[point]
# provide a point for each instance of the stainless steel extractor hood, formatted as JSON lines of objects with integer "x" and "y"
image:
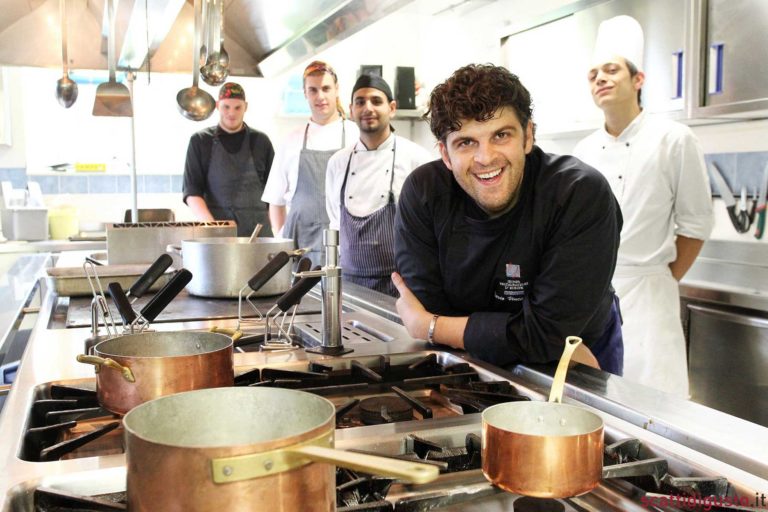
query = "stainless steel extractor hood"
{"x": 260, "y": 35}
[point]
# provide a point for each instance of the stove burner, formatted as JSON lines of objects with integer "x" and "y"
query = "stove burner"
{"x": 528, "y": 504}
{"x": 384, "y": 409}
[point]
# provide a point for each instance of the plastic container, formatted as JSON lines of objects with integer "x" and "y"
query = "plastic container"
{"x": 25, "y": 223}
{"x": 63, "y": 222}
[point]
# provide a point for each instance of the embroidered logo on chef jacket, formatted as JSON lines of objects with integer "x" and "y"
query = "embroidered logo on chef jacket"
{"x": 510, "y": 288}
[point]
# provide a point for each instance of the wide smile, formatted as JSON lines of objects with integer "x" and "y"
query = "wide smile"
{"x": 489, "y": 177}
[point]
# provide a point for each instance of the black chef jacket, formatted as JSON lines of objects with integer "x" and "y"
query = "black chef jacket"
{"x": 527, "y": 279}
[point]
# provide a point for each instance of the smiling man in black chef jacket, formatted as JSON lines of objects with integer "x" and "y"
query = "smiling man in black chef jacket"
{"x": 504, "y": 250}
{"x": 363, "y": 184}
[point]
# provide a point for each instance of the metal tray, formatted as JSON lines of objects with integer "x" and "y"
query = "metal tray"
{"x": 72, "y": 282}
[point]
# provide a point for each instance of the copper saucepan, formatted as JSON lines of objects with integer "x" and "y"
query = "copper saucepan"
{"x": 242, "y": 449}
{"x": 544, "y": 449}
{"x": 136, "y": 368}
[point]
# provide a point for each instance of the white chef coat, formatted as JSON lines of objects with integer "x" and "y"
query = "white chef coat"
{"x": 368, "y": 182}
{"x": 657, "y": 172}
{"x": 281, "y": 184}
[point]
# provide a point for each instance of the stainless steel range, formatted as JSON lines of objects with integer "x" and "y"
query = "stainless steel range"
{"x": 395, "y": 398}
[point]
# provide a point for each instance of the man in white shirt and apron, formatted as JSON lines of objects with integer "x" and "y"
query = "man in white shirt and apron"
{"x": 363, "y": 185}
{"x": 297, "y": 178}
{"x": 657, "y": 173}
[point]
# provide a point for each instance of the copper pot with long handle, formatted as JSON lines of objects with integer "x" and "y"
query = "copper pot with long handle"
{"x": 242, "y": 449}
{"x": 544, "y": 449}
{"x": 136, "y": 368}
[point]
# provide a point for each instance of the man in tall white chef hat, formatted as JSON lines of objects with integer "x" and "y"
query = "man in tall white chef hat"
{"x": 657, "y": 172}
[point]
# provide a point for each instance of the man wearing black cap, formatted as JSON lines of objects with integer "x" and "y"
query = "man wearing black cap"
{"x": 363, "y": 184}
{"x": 227, "y": 166}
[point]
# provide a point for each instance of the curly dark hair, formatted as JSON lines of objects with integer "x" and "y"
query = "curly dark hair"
{"x": 476, "y": 92}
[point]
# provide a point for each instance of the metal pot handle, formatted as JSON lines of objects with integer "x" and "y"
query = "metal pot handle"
{"x": 110, "y": 363}
{"x": 173, "y": 249}
{"x": 235, "y": 334}
{"x": 556, "y": 393}
{"x": 256, "y": 465}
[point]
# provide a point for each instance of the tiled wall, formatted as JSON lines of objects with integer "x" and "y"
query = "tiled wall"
{"x": 94, "y": 183}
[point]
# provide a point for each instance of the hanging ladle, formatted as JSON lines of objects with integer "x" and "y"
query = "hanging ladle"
{"x": 66, "y": 89}
{"x": 214, "y": 72}
{"x": 194, "y": 103}
{"x": 223, "y": 55}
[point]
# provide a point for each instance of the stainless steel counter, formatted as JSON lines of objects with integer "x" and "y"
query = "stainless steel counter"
{"x": 731, "y": 274}
{"x": 43, "y": 246}
{"x": 19, "y": 275}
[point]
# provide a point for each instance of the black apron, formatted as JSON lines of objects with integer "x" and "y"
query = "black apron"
{"x": 234, "y": 188}
{"x": 368, "y": 243}
{"x": 307, "y": 217}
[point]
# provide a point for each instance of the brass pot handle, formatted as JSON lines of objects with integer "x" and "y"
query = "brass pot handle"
{"x": 235, "y": 334}
{"x": 556, "y": 393}
{"x": 111, "y": 363}
{"x": 257, "y": 465}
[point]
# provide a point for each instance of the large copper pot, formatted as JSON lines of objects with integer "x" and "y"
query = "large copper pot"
{"x": 544, "y": 449}
{"x": 242, "y": 449}
{"x": 136, "y": 368}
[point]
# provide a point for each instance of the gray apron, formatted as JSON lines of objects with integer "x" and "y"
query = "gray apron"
{"x": 307, "y": 217}
{"x": 368, "y": 243}
{"x": 234, "y": 188}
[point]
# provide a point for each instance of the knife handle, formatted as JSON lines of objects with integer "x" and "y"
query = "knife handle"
{"x": 149, "y": 277}
{"x": 297, "y": 291}
{"x": 166, "y": 294}
{"x": 760, "y": 223}
{"x": 266, "y": 273}
{"x": 121, "y": 301}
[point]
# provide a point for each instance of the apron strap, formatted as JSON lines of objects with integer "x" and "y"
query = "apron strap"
{"x": 306, "y": 132}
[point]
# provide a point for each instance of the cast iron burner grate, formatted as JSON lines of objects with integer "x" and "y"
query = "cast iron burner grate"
{"x": 56, "y": 418}
{"x": 55, "y": 500}
{"x": 388, "y": 392}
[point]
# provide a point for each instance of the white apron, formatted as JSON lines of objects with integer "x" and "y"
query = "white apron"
{"x": 654, "y": 344}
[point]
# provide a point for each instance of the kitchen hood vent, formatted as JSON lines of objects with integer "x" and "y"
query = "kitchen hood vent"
{"x": 258, "y": 35}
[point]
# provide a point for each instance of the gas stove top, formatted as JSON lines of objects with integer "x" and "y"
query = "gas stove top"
{"x": 422, "y": 405}
{"x": 453, "y": 444}
{"x": 66, "y": 421}
{"x": 701, "y": 451}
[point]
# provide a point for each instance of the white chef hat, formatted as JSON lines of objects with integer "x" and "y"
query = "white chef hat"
{"x": 619, "y": 36}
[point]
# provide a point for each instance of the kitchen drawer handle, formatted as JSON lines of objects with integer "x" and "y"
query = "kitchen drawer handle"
{"x": 715, "y": 69}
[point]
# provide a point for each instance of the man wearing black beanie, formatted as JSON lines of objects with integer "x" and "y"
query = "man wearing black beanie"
{"x": 363, "y": 183}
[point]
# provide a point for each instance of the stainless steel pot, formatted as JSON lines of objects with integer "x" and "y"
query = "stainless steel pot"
{"x": 135, "y": 368}
{"x": 242, "y": 449}
{"x": 222, "y": 266}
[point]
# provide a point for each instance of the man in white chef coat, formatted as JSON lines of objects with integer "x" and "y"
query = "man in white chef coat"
{"x": 657, "y": 173}
{"x": 363, "y": 185}
{"x": 295, "y": 189}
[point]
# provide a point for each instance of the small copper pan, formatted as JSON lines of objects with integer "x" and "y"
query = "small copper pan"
{"x": 544, "y": 449}
{"x": 135, "y": 368}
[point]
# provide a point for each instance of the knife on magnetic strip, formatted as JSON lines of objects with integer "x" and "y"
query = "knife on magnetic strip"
{"x": 761, "y": 199}
{"x": 739, "y": 220}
